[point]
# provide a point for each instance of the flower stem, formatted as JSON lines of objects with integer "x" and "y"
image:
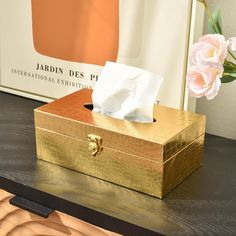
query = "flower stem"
{"x": 213, "y": 22}
{"x": 210, "y": 16}
{"x": 231, "y": 54}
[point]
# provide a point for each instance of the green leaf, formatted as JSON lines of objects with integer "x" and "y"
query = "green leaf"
{"x": 214, "y": 23}
{"x": 231, "y": 74}
{"x": 229, "y": 67}
{"x": 227, "y": 79}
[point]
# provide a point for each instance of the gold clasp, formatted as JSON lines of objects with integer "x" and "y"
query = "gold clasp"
{"x": 95, "y": 144}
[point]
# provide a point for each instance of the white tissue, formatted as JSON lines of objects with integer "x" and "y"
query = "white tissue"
{"x": 126, "y": 92}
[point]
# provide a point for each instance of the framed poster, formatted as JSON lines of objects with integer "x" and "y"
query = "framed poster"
{"x": 50, "y": 48}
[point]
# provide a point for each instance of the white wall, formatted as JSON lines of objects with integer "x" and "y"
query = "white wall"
{"x": 221, "y": 111}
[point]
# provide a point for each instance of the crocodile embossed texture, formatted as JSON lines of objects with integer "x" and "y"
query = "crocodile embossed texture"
{"x": 173, "y": 130}
{"x": 148, "y": 176}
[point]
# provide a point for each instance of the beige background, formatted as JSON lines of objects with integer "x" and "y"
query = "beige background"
{"x": 221, "y": 111}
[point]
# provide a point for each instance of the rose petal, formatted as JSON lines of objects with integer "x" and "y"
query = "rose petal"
{"x": 202, "y": 81}
{"x": 213, "y": 91}
{"x": 197, "y": 81}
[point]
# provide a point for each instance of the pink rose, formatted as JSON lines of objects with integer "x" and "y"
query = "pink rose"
{"x": 204, "y": 81}
{"x": 210, "y": 50}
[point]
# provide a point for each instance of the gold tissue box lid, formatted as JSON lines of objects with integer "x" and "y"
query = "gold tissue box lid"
{"x": 173, "y": 130}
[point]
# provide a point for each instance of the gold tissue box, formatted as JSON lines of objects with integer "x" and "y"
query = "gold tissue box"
{"x": 150, "y": 158}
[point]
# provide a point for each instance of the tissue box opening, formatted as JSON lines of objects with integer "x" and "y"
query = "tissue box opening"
{"x": 89, "y": 106}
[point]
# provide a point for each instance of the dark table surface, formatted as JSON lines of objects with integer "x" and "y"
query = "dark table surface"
{"x": 203, "y": 204}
